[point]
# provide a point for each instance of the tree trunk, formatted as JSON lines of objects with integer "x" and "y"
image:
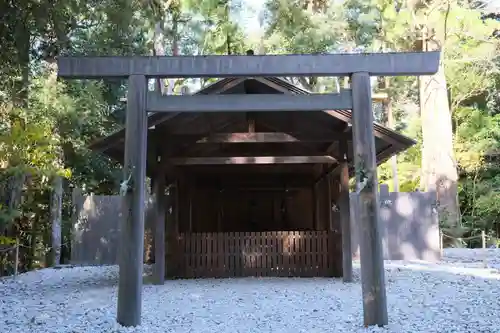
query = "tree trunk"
{"x": 23, "y": 47}
{"x": 175, "y": 47}
{"x": 390, "y": 124}
{"x": 159, "y": 50}
{"x": 439, "y": 171}
{"x": 33, "y": 242}
{"x": 57, "y": 183}
{"x": 159, "y": 45}
{"x": 394, "y": 159}
{"x": 55, "y": 219}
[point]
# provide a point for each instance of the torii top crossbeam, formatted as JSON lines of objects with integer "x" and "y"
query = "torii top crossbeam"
{"x": 376, "y": 64}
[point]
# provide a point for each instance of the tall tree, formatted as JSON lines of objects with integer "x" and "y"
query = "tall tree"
{"x": 459, "y": 32}
{"x": 303, "y": 26}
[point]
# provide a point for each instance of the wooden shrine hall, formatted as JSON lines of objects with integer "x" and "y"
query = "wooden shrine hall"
{"x": 255, "y": 193}
{"x": 256, "y": 170}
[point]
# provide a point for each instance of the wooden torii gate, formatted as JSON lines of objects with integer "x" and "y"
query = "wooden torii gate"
{"x": 358, "y": 66}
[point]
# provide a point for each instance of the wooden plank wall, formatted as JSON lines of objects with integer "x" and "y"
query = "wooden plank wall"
{"x": 235, "y": 254}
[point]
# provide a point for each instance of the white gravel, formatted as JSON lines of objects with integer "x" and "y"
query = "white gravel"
{"x": 459, "y": 294}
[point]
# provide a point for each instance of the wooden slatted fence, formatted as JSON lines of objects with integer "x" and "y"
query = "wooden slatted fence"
{"x": 234, "y": 254}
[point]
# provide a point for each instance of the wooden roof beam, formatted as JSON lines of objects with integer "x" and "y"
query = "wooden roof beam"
{"x": 261, "y": 150}
{"x": 345, "y": 135}
{"x": 245, "y": 160}
{"x": 264, "y": 137}
{"x": 249, "y": 103}
{"x": 375, "y": 64}
{"x": 252, "y": 180}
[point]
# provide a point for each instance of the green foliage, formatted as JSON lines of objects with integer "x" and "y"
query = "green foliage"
{"x": 293, "y": 27}
{"x": 218, "y": 32}
{"x": 476, "y": 144}
{"x": 7, "y": 240}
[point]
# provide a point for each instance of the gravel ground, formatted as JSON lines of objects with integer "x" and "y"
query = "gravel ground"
{"x": 459, "y": 294}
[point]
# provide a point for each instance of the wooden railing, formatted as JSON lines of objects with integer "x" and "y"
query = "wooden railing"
{"x": 278, "y": 253}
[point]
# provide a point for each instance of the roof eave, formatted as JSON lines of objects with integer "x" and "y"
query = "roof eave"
{"x": 221, "y": 85}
